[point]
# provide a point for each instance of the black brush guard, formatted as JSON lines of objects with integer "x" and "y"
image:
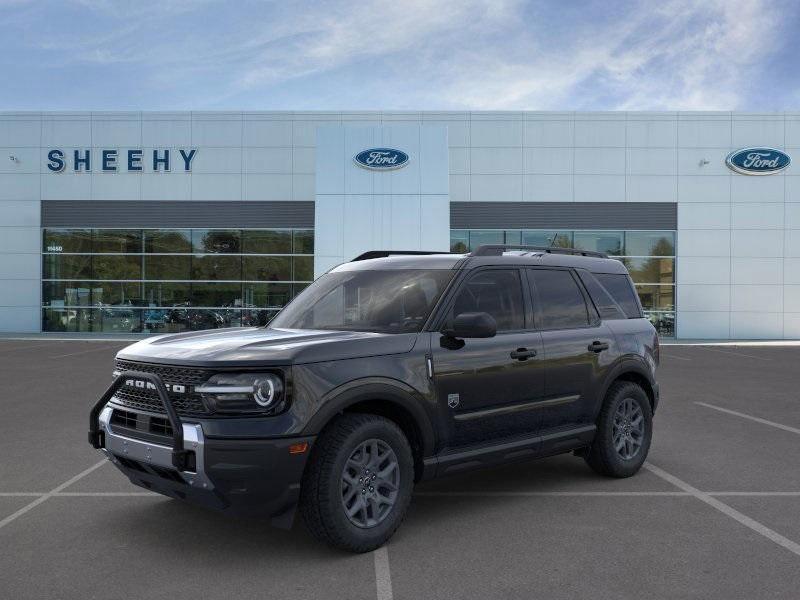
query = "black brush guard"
{"x": 179, "y": 455}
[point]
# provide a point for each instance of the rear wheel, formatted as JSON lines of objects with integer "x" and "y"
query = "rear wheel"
{"x": 624, "y": 431}
{"x": 357, "y": 486}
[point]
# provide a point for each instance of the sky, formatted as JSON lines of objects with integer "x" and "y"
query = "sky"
{"x": 400, "y": 55}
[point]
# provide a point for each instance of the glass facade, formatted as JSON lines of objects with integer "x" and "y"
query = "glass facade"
{"x": 648, "y": 255}
{"x": 170, "y": 280}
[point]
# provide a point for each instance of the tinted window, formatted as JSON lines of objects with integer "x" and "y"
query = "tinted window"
{"x": 498, "y": 293}
{"x": 561, "y": 303}
{"x": 391, "y": 301}
{"x": 620, "y": 288}
{"x": 609, "y": 242}
{"x": 605, "y": 304}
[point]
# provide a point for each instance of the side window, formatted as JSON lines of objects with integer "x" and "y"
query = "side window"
{"x": 561, "y": 302}
{"x": 497, "y": 292}
{"x": 606, "y": 305}
{"x": 620, "y": 288}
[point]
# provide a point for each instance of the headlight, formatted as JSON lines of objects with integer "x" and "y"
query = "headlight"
{"x": 243, "y": 393}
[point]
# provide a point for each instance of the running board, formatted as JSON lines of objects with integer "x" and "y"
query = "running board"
{"x": 451, "y": 462}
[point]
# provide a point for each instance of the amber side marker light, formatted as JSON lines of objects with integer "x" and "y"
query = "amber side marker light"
{"x": 298, "y": 448}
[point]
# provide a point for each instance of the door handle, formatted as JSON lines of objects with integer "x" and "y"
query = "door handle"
{"x": 522, "y": 354}
{"x": 596, "y": 346}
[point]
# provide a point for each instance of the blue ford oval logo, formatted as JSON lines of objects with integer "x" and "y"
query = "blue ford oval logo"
{"x": 758, "y": 161}
{"x": 381, "y": 159}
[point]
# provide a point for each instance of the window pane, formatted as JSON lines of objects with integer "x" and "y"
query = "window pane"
{"x": 605, "y": 304}
{"x": 167, "y": 294}
{"x": 303, "y": 268}
{"x": 117, "y": 267}
{"x": 168, "y": 240}
{"x": 267, "y": 268}
{"x": 67, "y": 319}
{"x": 512, "y": 237}
{"x": 561, "y": 302}
{"x": 219, "y": 267}
{"x": 663, "y": 322}
{"x": 195, "y": 319}
{"x": 391, "y": 301}
{"x": 67, "y": 266}
{"x": 217, "y": 240}
{"x": 67, "y": 240}
{"x": 167, "y": 267}
{"x": 267, "y": 241}
{"x": 619, "y": 287}
{"x": 496, "y": 292}
{"x": 481, "y": 238}
{"x": 609, "y": 242}
{"x": 117, "y": 240}
{"x": 267, "y": 295}
{"x": 459, "y": 241}
{"x": 216, "y": 294}
{"x": 117, "y": 320}
{"x": 557, "y": 239}
{"x": 656, "y": 297}
{"x": 304, "y": 241}
{"x": 650, "y": 243}
{"x": 651, "y": 270}
{"x": 257, "y": 318}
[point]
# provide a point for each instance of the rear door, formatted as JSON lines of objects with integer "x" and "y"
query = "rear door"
{"x": 487, "y": 387}
{"x": 578, "y": 347}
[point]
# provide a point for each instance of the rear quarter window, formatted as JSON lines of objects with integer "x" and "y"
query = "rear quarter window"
{"x": 607, "y": 307}
{"x": 621, "y": 289}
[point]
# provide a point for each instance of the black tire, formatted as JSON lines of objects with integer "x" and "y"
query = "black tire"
{"x": 321, "y": 494}
{"x": 603, "y": 456}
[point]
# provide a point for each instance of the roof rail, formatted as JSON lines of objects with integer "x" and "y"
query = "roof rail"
{"x": 498, "y": 249}
{"x": 384, "y": 253}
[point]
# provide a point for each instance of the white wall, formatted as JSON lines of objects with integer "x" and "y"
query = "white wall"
{"x": 359, "y": 209}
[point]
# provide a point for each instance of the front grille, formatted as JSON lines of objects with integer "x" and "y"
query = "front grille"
{"x": 189, "y": 404}
{"x": 141, "y": 426}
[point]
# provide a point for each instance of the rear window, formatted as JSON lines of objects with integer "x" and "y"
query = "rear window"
{"x": 605, "y": 304}
{"x": 621, "y": 290}
{"x": 561, "y": 303}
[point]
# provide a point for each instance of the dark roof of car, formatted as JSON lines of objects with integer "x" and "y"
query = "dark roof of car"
{"x": 468, "y": 261}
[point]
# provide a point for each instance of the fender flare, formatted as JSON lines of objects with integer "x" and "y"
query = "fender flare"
{"x": 628, "y": 364}
{"x": 394, "y": 391}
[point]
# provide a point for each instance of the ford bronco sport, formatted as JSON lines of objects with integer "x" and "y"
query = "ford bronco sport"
{"x": 388, "y": 370}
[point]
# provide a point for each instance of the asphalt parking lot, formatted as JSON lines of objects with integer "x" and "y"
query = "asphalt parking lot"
{"x": 716, "y": 513}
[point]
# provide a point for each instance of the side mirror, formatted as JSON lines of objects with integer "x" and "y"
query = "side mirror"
{"x": 472, "y": 325}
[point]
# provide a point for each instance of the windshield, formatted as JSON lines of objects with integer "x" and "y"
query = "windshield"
{"x": 391, "y": 301}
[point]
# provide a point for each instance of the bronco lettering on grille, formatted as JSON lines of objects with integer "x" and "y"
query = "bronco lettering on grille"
{"x": 175, "y": 388}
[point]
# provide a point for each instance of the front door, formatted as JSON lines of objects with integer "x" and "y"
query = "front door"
{"x": 488, "y": 386}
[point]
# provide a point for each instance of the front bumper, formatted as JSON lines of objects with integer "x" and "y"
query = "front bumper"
{"x": 244, "y": 477}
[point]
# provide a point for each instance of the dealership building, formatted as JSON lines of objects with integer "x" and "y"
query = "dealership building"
{"x": 118, "y": 222}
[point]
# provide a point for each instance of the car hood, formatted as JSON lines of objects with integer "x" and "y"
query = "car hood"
{"x": 257, "y": 346}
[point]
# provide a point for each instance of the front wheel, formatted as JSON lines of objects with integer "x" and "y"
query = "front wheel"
{"x": 358, "y": 484}
{"x": 624, "y": 431}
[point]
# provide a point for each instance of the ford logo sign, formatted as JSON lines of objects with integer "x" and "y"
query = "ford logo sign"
{"x": 381, "y": 159}
{"x": 758, "y": 161}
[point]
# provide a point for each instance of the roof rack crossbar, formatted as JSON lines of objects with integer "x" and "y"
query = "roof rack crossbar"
{"x": 498, "y": 249}
{"x": 384, "y": 253}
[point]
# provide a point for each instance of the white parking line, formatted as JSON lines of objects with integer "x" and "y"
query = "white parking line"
{"x": 741, "y": 354}
{"x": 750, "y": 418}
{"x": 49, "y": 494}
{"x": 674, "y": 356}
{"x": 84, "y": 351}
{"x": 760, "y": 528}
{"x": 383, "y": 577}
{"x": 543, "y": 494}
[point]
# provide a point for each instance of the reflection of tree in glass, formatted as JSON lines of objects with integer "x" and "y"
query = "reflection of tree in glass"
{"x": 220, "y": 241}
{"x": 458, "y": 247}
{"x": 167, "y": 240}
{"x": 653, "y": 269}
